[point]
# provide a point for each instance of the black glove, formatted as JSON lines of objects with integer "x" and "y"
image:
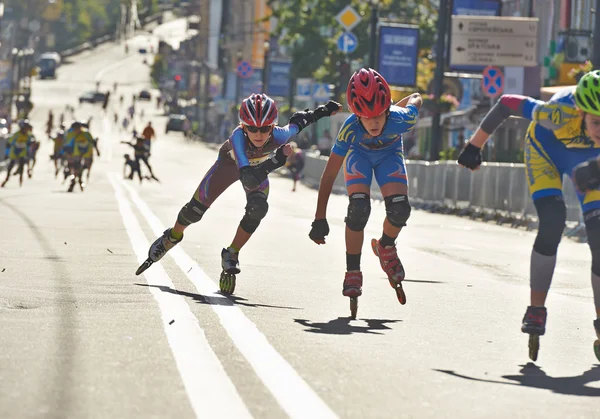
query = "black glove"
{"x": 319, "y": 230}
{"x": 587, "y": 175}
{"x": 327, "y": 109}
{"x": 275, "y": 162}
{"x": 302, "y": 119}
{"x": 252, "y": 177}
{"x": 470, "y": 157}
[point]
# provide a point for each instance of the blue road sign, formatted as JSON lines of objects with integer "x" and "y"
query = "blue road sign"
{"x": 279, "y": 78}
{"x": 399, "y": 53}
{"x": 347, "y": 42}
{"x": 492, "y": 82}
{"x": 244, "y": 69}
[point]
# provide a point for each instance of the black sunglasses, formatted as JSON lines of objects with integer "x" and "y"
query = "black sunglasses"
{"x": 254, "y": 129}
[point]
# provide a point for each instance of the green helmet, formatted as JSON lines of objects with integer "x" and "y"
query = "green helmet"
{"x": 587, "y": 93}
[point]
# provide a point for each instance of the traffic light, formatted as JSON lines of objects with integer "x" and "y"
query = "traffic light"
{"x": 177, "y": 79}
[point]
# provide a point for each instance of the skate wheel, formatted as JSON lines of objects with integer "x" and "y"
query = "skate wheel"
{"x": 597, "y": 348}
{"x": 353, "y": 307}
{"x": 227, "y": 283}
{"x": 400, "y": 294}
{"x": 534, "y": 347}
{"x": 147, "y": 263}
{"x": 374, "y": 246}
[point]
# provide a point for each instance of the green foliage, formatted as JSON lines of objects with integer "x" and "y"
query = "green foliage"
{"x": 309, "y": 28}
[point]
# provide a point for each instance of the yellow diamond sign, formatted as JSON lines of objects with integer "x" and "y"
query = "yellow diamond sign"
{"x": 348, "y": 18}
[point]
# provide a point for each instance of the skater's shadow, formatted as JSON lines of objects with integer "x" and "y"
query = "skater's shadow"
{"x": 215, "y": 299}
{"x": 343, "y": 326}
{"x": 534, "y": 377}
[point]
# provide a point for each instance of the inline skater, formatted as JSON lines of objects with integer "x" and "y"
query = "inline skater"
{"x": 244, "y": 156}
{"x": 564, "y": 132}
{"x": 17, "y": 147}
{"x": 370, "y": 141}
{"x": 79, "y": 145}
{"x": 59, "y": 139}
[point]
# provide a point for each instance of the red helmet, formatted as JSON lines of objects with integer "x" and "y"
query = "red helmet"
{"x": 368, "y": 93}
{"x": 258, "y": 111}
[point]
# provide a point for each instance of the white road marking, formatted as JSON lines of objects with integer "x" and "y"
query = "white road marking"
{"x": 292, "y": 393}
{"x": 210, "y": 391}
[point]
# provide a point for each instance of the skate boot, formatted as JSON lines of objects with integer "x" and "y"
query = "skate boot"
{"x": 72, "y": 185}
{"x": 597, "y": 342}
{"x": 352, "y": 284}
{"x": 230, "y": 265}
{"x": 230, "y": 262}
{"x": 158, "y": 249}
{"x": 534, "y": 321}
{"x": 391, "y": 265}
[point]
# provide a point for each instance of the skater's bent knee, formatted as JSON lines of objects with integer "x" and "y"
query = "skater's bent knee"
{"x": 359, "y": 210}
{"x": 256, "y": 209}
{"x": 552, "y": 215}
{"x": 398, "y": 209}
{"x": 191, "y": 212}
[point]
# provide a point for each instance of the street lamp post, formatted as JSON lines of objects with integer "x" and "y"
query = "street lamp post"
{"x": 596, "y": 56}
{"x": 238, "y": 79}
{"x": 374, "y": 8}
{"x": 438, "y": 81}
{"x": 265, "y": 73}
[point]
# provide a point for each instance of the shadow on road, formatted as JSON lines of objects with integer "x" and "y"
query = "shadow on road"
{"x": 215, "y": 299}
{"x": 342, "y": 326}
{"x": 534, "y": 377}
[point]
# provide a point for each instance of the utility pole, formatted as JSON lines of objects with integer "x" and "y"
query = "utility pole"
{"x": 438, "y": 82}
{"x": 596, "y": 57}
{"x": 373, "y": 35}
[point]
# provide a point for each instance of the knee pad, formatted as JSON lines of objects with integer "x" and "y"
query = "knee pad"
{"x": 592, "y": 228}
{"x": 397, "y": 208}
{"x": 359, "y": 210}
{"x": 552, "y": 215}
{"x": 191, "y": 212}
{"x": 256, "y": 209}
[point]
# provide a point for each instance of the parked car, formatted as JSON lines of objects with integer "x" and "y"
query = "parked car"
{"x": 92, "y": 97}
{"x": 145, "y": 95}
{"x": 175, "y": 122}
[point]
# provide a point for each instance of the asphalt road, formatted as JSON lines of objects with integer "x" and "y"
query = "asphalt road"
{"x": 83, "y": 337}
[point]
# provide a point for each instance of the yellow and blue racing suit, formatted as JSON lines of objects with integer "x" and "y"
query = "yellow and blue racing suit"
{"x": 382, "y": 155}
{"x": 18, "y": 144}
{"x": 556, "y": 142}
{"x": 79, "y": 145}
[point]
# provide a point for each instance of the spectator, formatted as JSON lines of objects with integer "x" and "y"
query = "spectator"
{"x": 325, "y": 143}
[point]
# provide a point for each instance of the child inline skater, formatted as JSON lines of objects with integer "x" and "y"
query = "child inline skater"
{"x": 244, "y": 156}
{"x": 564, "y": 133}
{"x": 370, "y": 142}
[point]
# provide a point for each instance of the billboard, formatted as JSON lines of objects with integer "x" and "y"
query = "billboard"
{"x": 279, "y": 78}
{"x": 398, "y": 54}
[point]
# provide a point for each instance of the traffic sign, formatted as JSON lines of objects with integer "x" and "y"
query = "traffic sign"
{"x": 348, "y": 18}
{"x": 244, "y": 69}
{"x": 303, "y": 88}
{"x": 502, "y": 41}
{"x": 321, "y": 91}
{"x": 347, "y": 42}
{"x": 492, "y": 82}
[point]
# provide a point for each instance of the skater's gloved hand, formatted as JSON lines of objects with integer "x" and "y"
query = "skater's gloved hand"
{"x": 330, "y": 108}
{"x": 319, "y": 230}
{"x": 586, "y": 176}
{"x": 252, "y": 177}
{"x": 470, "y": 157}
